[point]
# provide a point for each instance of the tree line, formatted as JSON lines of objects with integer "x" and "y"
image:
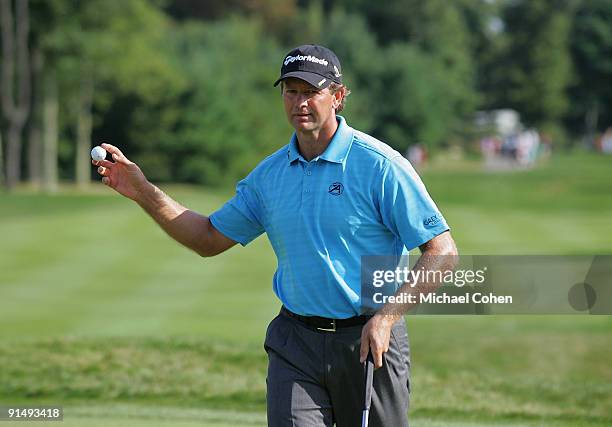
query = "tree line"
{"x": 185, "y": 86}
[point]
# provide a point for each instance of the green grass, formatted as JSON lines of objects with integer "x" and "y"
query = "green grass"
{"x": 101, "y": 312}
{"x": 136, "y": 415}
{"x": 464, "y": 368}
{"x": 562, "y": 207}
{"x": 105, "y": 260}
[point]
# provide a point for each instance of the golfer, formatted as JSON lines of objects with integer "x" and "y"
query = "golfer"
{"x": 330, "y": 196}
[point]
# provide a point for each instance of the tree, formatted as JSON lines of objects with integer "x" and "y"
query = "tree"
{"x": 116, "y": 42}
{"x": 232, "y": 116}
{"x": 95, "y": 52}
{"x": 435, "y": 35}
{"x": 414, "y": 100}
{"x": 46, "y": 18}
{"x": 50, "y": 125}
{"x": 278, "y": 16}
{"x": 361, "y": 67}
{"x": 440, "y": 29}
{"x": 15, "y": 57}
{"x": 35, "y": 138}
{"x": 402, "y": 93}
{"x": 537, "y": 66}
{"x": 591, "y": 47}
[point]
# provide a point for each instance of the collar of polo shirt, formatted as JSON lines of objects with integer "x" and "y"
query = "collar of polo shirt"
{"x": 336, "y": 151}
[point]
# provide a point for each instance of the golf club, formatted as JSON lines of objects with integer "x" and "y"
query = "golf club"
{"x": 369, "y": 377}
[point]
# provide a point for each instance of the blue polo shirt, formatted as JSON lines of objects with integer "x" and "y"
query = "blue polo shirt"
{"x": 360, "y": 197}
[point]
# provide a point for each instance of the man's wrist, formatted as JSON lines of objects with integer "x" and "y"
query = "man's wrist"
{"x": 387, "y": 318}
{"x": 148, "y": 194}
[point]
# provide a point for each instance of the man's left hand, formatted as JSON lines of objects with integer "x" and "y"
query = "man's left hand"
{"x": 375, "y": 336}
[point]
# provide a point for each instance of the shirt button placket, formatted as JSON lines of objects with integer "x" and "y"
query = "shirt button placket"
{"x": 307, "y": 182}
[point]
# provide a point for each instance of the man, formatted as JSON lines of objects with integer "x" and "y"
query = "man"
{"x": 329, "y": 197}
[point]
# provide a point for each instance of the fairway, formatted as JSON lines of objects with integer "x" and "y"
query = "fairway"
{"x": 102, "y": 312}
{"x": 152, "y": 416}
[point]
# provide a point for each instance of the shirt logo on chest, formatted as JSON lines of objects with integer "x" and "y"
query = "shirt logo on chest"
{"x": 336, "y": 189}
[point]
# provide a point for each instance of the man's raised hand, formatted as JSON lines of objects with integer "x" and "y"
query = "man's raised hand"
{"x": 122, "y": 175}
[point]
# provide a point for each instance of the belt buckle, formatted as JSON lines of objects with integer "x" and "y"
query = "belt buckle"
{"x": 332, "y": 329}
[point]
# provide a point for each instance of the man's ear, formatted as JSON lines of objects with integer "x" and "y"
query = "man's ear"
{"x": 338, "y": 98}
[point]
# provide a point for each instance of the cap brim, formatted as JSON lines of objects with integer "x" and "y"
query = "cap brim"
{"x": 314, "y": 79}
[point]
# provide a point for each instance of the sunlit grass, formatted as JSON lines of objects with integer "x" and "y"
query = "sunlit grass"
{"x": 102, "y": 312}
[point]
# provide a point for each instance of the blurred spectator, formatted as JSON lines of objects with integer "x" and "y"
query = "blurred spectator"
{"x": 509, "y": 145}
{"x": 606, "y": 141}
{"x": 520, "y": 149}
{"x": 527, "y": 148}
{"x": 417, "y": 155}
{"x": 545, "y": 145}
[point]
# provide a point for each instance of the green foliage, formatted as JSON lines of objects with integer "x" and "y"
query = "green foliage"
{"x": 184, "y": 87}
{"x": 591, "y": 45}
{"x": 361, "y": 66}
{"x": 121, "y": 47}
{"x": 312, "y": 25}
{"x": 415, "y": 105}
{"x": 537, "y": 65}
{"x": 418, "y": 77}
{"x": 232, "y": 115}
{"x": 112, "y": 41}
{"x": 441, "y": 31}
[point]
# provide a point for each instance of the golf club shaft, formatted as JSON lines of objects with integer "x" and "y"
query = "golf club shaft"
{"x": 364, "y": 417}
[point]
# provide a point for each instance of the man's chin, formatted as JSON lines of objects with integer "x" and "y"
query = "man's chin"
{"x": 303, "y": 126}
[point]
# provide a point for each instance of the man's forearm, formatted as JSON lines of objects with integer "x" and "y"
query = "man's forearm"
{"x": 438, "y": 255}
{"x": 425, "y": 263}
{"x": 183, "y": 225}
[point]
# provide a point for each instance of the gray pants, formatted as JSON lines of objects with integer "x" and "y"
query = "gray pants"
{"x": 315, "y": 378}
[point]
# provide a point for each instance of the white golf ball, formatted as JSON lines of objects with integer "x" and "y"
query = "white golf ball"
{"x": 98, "y": 153}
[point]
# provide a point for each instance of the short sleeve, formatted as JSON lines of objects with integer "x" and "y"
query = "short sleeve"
{"x": 240, "y": 218}
{"x": 406, "y": 207}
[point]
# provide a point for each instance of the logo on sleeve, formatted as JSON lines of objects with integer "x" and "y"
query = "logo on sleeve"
{"x": 432, "y": 220}
{"x": 336, "y": 189}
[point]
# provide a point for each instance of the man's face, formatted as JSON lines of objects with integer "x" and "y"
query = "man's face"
{"x": 308, "y": 108}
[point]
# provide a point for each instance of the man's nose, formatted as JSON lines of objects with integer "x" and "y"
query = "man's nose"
{"x": 302, "y": 99}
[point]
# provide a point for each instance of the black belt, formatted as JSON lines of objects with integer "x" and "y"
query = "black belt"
{"x": 325, "y": 323}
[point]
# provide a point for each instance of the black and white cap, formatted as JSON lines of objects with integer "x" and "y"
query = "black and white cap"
{"x": 314, "y": 64}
